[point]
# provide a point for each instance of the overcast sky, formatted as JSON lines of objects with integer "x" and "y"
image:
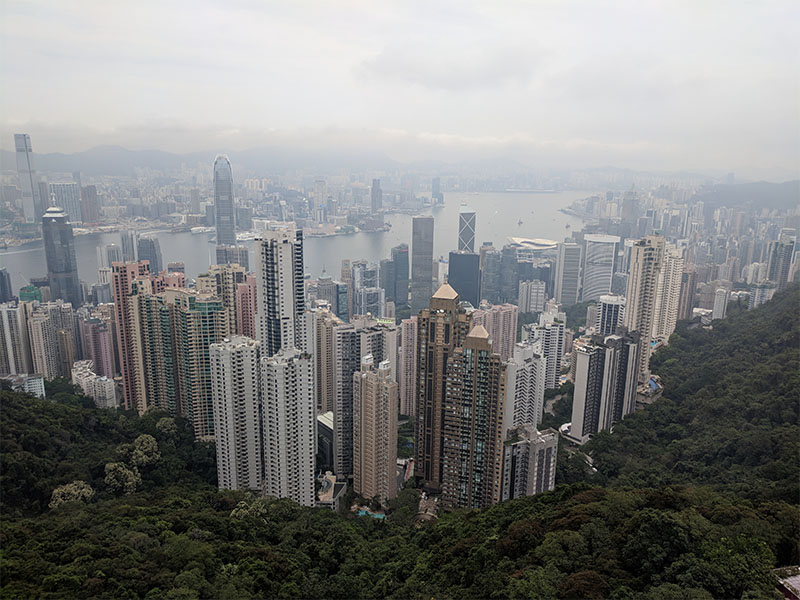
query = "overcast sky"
{"x": 672, "y": 85}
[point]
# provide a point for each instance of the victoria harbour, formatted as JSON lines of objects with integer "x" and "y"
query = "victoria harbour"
{"x": 499, "y": 215}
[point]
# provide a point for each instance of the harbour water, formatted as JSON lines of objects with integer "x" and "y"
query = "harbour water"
{"x": 498, "y": 215}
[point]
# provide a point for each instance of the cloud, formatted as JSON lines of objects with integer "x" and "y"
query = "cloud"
{"x": 476, "y": 65}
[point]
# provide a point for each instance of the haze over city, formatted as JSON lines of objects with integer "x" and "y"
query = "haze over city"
{"x": 399, "y": 300}
{"x": 708, "y": 87}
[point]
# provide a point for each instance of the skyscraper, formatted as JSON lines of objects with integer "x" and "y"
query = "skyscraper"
{"x": 401, "y": 271}
{"x": 421, "y": 262}
{"x": 289, "y": 425}
{"x": 32, "y": 205}
{"x": 610, "y": 310}
{"x": 238, "y": 420}
{"x": 473, "y": 424}
{"x": 529, "y": 461}
{"x": 90, "y": 209}
{"x": 353, "y": 341}
{"x": 98, "y": 344}
{"x": 688, "y": 287}
{"x": 222, "y": 282}
{"x": 440, "y": 329}
{"x": 246, "y": 294}
{"x": 281, "y": 290}
{"x": 113, "y": 254}
{"x": 647, "y": 258}
{"x": 568, "y": 273}
{"x": 223, "y": 201}
{"x": 464, "y": 275}
{"x": 6, "y": 292}
{"x": 532, "y": 296}
{"x": 233, "y": 255}
{"x": 720, "y": 304}
{"x": 436, "y": 191}
{"x": 500, "y": 320}
{"x": 598, "y": 269}
{"x": 407, "y": 366}
{"x": 466, "y": 229}
{"x": 668, "y": 295}
{"x": 605, "y": 384}
{"x": 781, "y": 252}
{"x": 68, "y": 197}
{"x": 128, "y": 241}
{"x": 490, "y": 274}
{"x": 15, "y": 351}
{"x": 43, "y": 338}
{"x": 149, "y": 249}
{"x": 59, "y": 250}
{"x": 550, "y": 334}
{"x": 526, "y": 385}
{"x": 375, "y": 430}
{"x": 376, "y": 196}
{"x": 124, "y": 276}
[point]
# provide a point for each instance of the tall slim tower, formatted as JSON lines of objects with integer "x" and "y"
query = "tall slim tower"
{"x": 668, "y": 295}
{"x": 466, "y": 229}
{"x": 688, "y": 288}
{"x": 598, "y": 268}
{"x": 375, "y": 430}
{"x": 15, "y": 351}
{"x": 526, "y": 385}
{"x": 32, "y": 205}
{"x": 376, "y": 196}
{"x": 781, "y": 252}
{"x": 473, "y": 424}
{"x": 401, "y": 270}
{"x": 440, "y": 329}
{"x": 647, "y": 258}
{"x": 223, "y": 201}
{"x": 568, "y": 273}
{"x": 421, "y": 262}
{"x": 281, "y": 290}
{"x": 59, "y": 250}
{"x": 236, "y": 385}
{"x": 407, "y": 366}
{"x": 289, "y": 425}
{"x": 124, "y": 274}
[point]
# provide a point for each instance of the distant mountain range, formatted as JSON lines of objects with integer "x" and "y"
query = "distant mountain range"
{"x": 115, "y": 160}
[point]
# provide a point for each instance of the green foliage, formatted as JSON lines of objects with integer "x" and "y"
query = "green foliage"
{"x": 729, "y": 413}
{"x": 186, "y": 541}
{"x": 48, "y": 443}
{"x": 77, "y": 491}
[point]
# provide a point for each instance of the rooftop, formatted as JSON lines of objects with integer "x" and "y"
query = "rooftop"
{"x": 446, "y": 292}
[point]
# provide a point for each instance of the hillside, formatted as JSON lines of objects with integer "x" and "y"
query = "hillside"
{"x": 700, "y": 500}
{"x": 729, "y": 413}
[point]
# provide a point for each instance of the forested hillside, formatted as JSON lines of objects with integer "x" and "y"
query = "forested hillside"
{"x": 699, "y": 500}
{"x": 729, "y": 413}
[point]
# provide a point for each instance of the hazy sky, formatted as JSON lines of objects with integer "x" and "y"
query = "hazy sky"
{"x": 705, "y": 85}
